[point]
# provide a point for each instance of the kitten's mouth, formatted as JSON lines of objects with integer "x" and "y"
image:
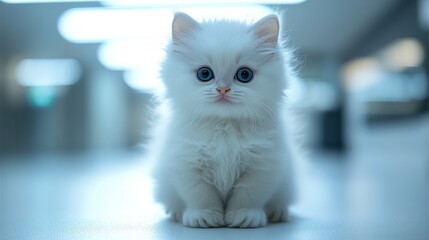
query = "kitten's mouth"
{"x": 223, "y": 99}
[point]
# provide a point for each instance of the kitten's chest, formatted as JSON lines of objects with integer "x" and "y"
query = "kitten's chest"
{"x": 222, "y": 143}
{"x": 224, "y": 152}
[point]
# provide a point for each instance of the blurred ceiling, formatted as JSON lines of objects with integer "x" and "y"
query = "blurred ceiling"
{"x": 328, "y": 27}
{"x": 334, "y": 26}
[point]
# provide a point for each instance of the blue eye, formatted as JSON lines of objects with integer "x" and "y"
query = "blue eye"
{"x": 205, "y": 74}
{"x": 244, "y": 74}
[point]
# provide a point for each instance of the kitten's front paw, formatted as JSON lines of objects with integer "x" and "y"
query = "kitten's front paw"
{"x": 246, "y": 218}
{"x": 203, "y": 218}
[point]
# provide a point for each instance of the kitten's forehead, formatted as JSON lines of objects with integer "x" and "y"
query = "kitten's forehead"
{"x": 225, "y": 43}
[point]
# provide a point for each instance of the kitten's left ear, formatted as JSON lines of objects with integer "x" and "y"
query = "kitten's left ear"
{"x": 267, "y": 30}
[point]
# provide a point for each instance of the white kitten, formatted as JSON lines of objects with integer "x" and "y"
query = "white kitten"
{"x": 225, "y": 160}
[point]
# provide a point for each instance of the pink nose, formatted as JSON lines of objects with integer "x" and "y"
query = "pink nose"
{"x": 223, "y": 90}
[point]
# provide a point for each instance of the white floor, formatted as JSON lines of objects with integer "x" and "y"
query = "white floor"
{"x": 378, "y": 190}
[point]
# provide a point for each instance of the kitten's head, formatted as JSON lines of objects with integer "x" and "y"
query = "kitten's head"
{"x": 224, "y": 68}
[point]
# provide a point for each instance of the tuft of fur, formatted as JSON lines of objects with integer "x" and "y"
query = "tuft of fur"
{"x": 225, "y": 163}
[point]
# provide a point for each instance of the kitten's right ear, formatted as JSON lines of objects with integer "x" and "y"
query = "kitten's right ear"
{"x": 183, "y": 25}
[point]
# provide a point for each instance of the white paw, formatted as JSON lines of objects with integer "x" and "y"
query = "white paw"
{"x": 246, "y": 218}
{"x": 279, "y": 215}
{"x": 203, "y": 218}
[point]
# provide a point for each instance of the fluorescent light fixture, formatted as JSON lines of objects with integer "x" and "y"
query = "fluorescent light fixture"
{"x": 47, "y": 72}
{"x": 86, "y": 25}
{"x": 402, "y": 54}
{"x": 361, "y": 72}
{"x": 144, "y": 80}
{"x": 43, "y": 1}
{"x": 194, "y": 3}
{"x": 164, "y": 3}
{"x": 132, "y": 53}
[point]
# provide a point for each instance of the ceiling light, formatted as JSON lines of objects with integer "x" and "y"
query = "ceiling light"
{"x": 402, "y": 54}
{"x": 43, "y": 1}
{"x": 194, "y": 3}
{"x": 144, "y": 80}
{"x": 360, "y": 73}
{"x": 131, "y": 53}
{"x": 165, "y": 3}
{"x": 86, "y": 25}
{"x": 47, "y": 72}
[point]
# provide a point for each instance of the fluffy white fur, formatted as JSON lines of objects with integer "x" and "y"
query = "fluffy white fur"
{"x": 224, "y": 163}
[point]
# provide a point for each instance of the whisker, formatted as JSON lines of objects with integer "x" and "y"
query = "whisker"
{"x": 264, "y": 107}
{"x": 195, "y": 109}
{"x": 251, "y": 115}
